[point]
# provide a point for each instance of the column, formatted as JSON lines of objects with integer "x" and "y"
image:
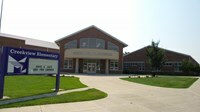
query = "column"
{"x": 77, "y": 66}
{"x": 107, "y": 67}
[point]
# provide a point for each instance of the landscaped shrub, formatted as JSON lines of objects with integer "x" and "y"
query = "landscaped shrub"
{"x": 126, "y": 72}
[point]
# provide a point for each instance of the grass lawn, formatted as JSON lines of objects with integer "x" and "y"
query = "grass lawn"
{"x": 20, "y": 86}
{"x": 91, "y": 94}
{"x": 169, "y": 82}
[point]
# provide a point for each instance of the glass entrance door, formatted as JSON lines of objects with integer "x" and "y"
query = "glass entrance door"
{"x": 91, "y": 67}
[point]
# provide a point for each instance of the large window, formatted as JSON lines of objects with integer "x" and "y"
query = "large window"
{"x": 100, "y": 44}
{"x": 139, "y": 65}
{"x": 68, "y": 64}
{"x": 112, "y": 46}
{"x": 71, "y": 44}
{"x": 92, "y": 43}
{"x": 113, "y": 65}
{"x": 176, "y": 65}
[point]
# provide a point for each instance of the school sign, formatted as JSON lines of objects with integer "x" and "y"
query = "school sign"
{"x": 17, "y": 61}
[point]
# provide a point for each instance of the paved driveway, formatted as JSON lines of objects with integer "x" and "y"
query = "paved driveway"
{"x": 126, "y": 96}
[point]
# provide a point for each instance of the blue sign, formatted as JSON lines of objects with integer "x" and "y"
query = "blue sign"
{"x": 1, "y": 71}
{"x": 17, "y": 61}
{"x": 23, "y": 61}
{"x": 1, "y": 53}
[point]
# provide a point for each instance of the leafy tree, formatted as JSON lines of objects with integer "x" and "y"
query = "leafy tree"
{"x": 196, "y": 69}
{"x": 189, "y": 67}
{"x": 156, "y": 57}
{"x": 125, "y": 53}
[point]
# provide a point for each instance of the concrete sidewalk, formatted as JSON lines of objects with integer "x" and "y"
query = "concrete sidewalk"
{"x": 3, "y": 102}
{"x": 124, "y": 96}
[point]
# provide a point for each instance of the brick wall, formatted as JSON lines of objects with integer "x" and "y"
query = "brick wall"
{"x": 91, "y": 33}
{"x": 170, "y": 56}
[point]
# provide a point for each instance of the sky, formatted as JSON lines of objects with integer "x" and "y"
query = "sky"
{"x": 175, "y": 23}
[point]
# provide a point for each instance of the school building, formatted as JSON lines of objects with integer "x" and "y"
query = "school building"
{"x": 92, "y": 50}
{"x": 137, "y": 61}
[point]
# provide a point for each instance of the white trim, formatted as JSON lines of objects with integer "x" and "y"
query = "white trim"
{"x": 67, "y": 68}
{"x": 115, "y": 62}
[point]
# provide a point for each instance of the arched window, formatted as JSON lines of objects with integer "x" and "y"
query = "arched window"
{"x": 92, "y": 43}
{"x": 112, "y": 46}
{"x": 71, "y": 44}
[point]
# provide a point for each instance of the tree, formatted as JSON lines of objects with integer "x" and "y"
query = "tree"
{"x": 197, "y": 69}
{"x": 190, "y": 68}
{"x": 156, "y": 57}
{"x": 187, "y": 66}
{"x": 125, "y": 53}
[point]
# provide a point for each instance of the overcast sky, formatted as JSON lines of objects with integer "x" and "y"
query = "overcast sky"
{"x": 176, "y": 23}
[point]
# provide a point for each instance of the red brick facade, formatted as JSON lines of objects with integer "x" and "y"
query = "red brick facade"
{"x": 137, "y": 61}
{"x": 91, "y": 32}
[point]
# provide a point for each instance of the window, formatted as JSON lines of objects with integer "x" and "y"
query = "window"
{"x": 68, "y": 64}
{"x": 84, "y": 43}
{"x": 112, "y": 46}
{"x": 174, "y": 64}
{"x": 71, "y": 44}
{"x": 92, "y": 43}
{"x": 139, "y": 65}
{"x": 168, "y": 64}
{"x": 113, "y": 65}
{"x": 177, "y": 67}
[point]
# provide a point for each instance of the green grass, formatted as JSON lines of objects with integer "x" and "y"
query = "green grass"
{"x": 168, "y": 82}
{"x": 20, "y": 86}
{"x": 91, "y": 94}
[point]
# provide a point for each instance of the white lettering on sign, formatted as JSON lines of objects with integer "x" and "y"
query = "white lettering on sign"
{"x": 23, "y": 52}
{"x": 42, "y": 66}
{"x": 47, "y": 55}
{"x": 13, "y": 51}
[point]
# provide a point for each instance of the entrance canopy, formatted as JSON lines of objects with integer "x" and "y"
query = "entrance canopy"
{"x": 91, "y": 53}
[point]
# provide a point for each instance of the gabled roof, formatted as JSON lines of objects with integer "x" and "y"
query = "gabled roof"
{"x": 190, "y": 57}
{"x": 33, "y": 42}
{"x": 160, "y": 48}
{"x": 125, "y": 45}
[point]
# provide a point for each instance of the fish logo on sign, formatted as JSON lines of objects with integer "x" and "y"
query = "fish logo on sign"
{"x": 15, "y": 66}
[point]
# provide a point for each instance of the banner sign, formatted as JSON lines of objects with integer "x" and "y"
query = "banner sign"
{"x": 24, "y": 61}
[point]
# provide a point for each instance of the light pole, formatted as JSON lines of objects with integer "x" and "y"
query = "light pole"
{"x": 1, "y": 14}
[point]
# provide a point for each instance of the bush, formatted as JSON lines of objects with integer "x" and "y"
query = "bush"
{"x": 190, "y": 68}
{"x": 196, "y": 69}
{"x": 126, "y": 72}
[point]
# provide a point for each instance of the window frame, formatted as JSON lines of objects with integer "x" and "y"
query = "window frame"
{"x": 67, "y": 45}
{"x": 68, "y": 61}
{"x": 112, "y": 46}
{"x": 177, "y": 67}
{"x": 115, "y": 64}
{"x": 92, "y": 43}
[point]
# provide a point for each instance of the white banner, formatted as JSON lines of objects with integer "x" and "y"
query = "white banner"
{"x": 42, "y": 66}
